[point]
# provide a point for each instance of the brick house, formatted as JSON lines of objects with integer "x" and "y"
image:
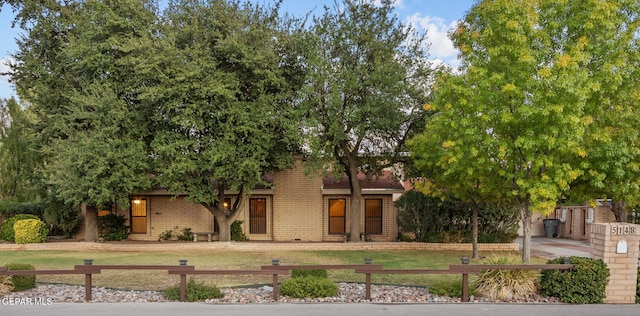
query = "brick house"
{"x": 296, "y": 208}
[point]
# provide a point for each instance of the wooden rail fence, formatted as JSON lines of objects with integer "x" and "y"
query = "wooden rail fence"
{"x": 88, "y": 269}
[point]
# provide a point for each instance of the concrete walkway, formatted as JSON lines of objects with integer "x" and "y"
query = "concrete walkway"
{"x": 552, "y": 248}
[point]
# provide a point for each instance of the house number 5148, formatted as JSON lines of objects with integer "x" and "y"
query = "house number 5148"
{"x": 623, "y": 230}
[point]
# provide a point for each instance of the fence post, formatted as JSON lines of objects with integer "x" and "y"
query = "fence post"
{"x": 87, "y": 281}
{"x": 465, "y": 287}
{"x": 275, "y": 287}
{"x": 183, "y": 283}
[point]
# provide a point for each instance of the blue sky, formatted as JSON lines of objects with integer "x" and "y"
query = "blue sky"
{"x": 436, "y": 16}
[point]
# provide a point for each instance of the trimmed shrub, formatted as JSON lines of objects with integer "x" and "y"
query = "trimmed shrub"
{"x": 449, "y": 288}
{"x": 112, "y": 227}
{"x": 196, "y": 291}
{"x": 6, "y": 286}
{"x": 506, "y": 285}
{"x": 236, "y": 232}
{"x": 6, "y": 231}
{"x": 30, "y": 231}
{"x": 22, "y": 282}
{"x": 309, "y": 287}
{"x": 585, "y": 283}
{"x": 318, "y": 273}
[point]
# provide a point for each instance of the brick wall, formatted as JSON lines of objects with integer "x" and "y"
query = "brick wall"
{"x": 297, "y": 206}
{"x": 605, "y": 245}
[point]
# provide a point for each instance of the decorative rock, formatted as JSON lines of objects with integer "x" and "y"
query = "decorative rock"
{"x": 349, "y": 293}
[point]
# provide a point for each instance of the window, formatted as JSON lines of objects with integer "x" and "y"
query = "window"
{"x": 258, "y": 216}
{"x": 138, "y": 216}
{"x": 337, "y": 216}
{"x": 373, "y": 216}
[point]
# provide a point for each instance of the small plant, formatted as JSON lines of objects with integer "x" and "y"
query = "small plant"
{"x": 195, "y": 292}
{"x": 22, "y": 282}
{"x": 506, "y": 284}
{"x": 585, "y": 283}
{"x": 236, "y": 232}
{"x": 30, "y": 231}
{"x": 309, "y": 287}
{"x": 449, "y": 288}
{"x": 186, "y": 234}
{"x": 112, "y": 227}
{"x": 166, "y": 235}
{"x": 318, "y": 273}
{"x": 6, "y": 286}
{"x": 6, "y": 231}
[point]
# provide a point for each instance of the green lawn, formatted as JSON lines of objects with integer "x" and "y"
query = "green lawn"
{"x": 223, "y": 259}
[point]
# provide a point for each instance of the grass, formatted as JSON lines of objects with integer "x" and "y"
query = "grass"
{"x": 224, "y": 259}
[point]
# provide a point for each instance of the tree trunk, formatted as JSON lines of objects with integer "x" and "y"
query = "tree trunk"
{"x": 224, "y": 223}
{"x": 619, "y": 209}
{"x": 356, "y": 204}
{"x": 91, "y": 223}
{"x": 525, "y": 214}
{"x": 474, "y": 229}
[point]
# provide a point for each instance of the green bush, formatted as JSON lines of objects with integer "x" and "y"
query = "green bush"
{"x": 112, "y": 227}
{"x": 6, "y": 231}
{"x": 166, "y": 235}
{"x": 30, "y": 231}
{"x": 186, "y": 234}
{"x": 236, "y": 232}
{"x": 22, "y": 282}
{"x": 64, "y": 219}
{"x": 450, "y": 288}
{"x": 309, "y": 287}
{"x": 318, "y": 273}
{"x": 506, "y": 284}
{"x": 195, "y": 292}
{"x": 585, "y": 283}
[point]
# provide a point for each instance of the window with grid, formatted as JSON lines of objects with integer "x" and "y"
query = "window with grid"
{"x": 337, "y": 216}
{"x": 258, "y": 216}
{"x": 373, "y": 216}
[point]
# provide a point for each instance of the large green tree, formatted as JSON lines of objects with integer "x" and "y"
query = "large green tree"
{"x": 18, "y": 158}
{"x": 367, "y": 81}
{"x": 515, "y": 118}
{"x": 223, "y": 118}
{"x": 609, "y": 32}
{"x": 76, "y": 65}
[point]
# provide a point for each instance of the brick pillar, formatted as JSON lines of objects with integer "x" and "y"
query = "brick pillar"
{"x": 617, "y": 245}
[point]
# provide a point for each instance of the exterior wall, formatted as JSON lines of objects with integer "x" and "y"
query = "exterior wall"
{"x": 165, "y": 213}
{"x": 297, "y": 206}
{"x": 576, "y": 225}
{"x": 389, "y": 214}
{"x": 244, "y": 216}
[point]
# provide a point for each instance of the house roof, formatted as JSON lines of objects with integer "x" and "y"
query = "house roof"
{"x": 386, "y": 183}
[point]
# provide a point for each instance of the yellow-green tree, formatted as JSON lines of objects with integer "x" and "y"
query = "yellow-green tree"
{"x": 514, "y": 122}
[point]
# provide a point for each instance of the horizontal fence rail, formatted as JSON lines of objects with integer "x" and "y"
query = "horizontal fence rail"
{"x": 88, "y": 269}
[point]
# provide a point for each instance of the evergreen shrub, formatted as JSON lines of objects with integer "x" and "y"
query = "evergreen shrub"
{"x": 6, "y": 230}
{"x": 196, "y": 291}
{"x": 585, "y": 283}
{"x": 30, "y": 231}
{"x": 22, "y": 282}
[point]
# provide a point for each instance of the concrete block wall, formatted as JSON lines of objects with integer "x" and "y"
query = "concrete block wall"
{"x": 606, "y": 239}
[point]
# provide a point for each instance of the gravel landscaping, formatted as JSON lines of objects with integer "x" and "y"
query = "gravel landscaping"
{"x": 349, "y": 293}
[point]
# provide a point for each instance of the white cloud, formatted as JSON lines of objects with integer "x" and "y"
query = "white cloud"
{"x": 437, "y": 35}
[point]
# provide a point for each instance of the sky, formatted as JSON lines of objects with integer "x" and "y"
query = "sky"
{"x": 437, "y": 17}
